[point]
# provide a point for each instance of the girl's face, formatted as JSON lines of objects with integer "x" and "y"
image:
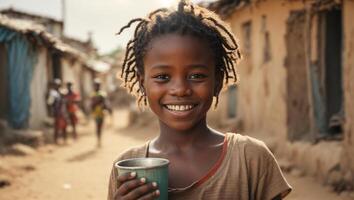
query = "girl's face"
{"x": 179, "y": 79}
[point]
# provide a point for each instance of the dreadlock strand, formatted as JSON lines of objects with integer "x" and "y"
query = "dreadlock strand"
{"x": 217, "y": 24}
{"x": 132, "y": 77}
{"x": 130, "y": 23}
{"x": 130, "y": 63}
{"x": 140, "y": 98}
{"x": 192, "y": 9}
{"x": 137, "y": 29}
{"x": 227, "y": 64}
{"x": 224, "y": 40}
{"x": 239, "y": 54}
{"x": 127, "y": 52}
{"x": 157, "y": 11}
{"x": 132, "y": 85}
{"x": 233, "y": 70}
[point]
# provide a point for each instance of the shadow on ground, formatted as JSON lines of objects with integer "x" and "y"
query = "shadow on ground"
{"x": 83, "y": 156}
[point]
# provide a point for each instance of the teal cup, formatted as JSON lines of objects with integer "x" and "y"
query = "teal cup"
{"x": 153, "y": 169}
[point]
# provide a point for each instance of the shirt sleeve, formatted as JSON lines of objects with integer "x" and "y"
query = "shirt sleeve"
{"x": 113, "y": 184}
{"x": 271, "y": 182}
{"x": 136, "y": 152}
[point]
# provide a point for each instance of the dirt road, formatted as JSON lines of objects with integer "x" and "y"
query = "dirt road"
{"x": 79, "y": 170}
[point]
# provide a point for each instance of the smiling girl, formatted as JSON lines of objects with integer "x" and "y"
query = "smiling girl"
{"x": 177, "y": 63}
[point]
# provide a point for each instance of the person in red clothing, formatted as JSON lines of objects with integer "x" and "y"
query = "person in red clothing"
{"x": 72, "y": 99}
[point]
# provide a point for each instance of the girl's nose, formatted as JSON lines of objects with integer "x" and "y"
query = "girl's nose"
{"x": 180, "y": 88}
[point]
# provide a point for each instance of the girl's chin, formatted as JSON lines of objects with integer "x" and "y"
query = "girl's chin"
{"x": 183, "y": 126}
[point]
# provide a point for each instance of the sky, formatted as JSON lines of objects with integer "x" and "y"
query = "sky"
{"x": 101, "y": 17}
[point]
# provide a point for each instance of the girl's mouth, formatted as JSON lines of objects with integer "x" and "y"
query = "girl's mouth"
{"x": 180, "y": 108}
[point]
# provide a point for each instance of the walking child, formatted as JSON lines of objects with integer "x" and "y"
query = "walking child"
{"x": 72, "y": 100}
{"x": 99, "y": 105}
{"x": 177, "y": 63}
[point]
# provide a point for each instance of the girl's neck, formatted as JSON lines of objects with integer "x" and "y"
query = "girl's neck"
{"x": 175, "y": 138}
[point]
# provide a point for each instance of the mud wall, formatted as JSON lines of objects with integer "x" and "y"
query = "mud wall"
{"x": 348, "y": 75}
{"x": 38, "y": 91}
{"x": 71, "y": 72}
{"x": 262, "y": 86}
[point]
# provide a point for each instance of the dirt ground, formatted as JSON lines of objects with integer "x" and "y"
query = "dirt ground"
{"x": 79, "y": 170}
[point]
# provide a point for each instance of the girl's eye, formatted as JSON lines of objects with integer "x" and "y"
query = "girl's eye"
{"x": 197, "y": 76}
{"x": 161, "y": 77}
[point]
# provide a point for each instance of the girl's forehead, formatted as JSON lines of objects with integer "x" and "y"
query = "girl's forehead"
{"x": 177, "y": 41}
{"x": 178, "y": 50}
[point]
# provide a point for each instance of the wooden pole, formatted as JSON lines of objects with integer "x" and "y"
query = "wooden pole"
{"x": 63, "y": 13}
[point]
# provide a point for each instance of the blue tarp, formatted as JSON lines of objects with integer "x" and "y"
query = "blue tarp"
{"x": 20, "y": 63}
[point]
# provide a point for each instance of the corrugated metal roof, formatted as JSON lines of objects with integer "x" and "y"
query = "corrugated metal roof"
{"x": 29, "y": 28}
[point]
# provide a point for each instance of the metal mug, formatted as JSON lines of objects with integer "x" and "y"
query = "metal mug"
{"x": 153, "y": 169}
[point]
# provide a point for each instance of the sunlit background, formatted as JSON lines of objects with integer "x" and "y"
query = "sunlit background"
{"x": 102, "y": 18}
{"x": 294, "y": 92}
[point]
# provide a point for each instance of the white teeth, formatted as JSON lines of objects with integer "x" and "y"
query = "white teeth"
{"x": 179, "y": 107}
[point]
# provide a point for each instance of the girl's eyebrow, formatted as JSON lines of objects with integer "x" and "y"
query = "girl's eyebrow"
{"x": 198, "y": 66}
{"x": 164, "y": 66}
{"x": 160, "y": 66}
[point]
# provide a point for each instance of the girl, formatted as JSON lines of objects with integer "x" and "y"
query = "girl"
{"x": 177, "y": 62}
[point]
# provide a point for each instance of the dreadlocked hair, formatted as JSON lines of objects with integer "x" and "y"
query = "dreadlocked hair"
{"x": 188, "y": 19}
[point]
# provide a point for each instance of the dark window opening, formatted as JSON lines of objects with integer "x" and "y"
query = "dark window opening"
{"x": 56, "y": 66}
{"x": 247, "y": 46}
{"x": 232, "y": 102}
{"x": 246, "y": 35}
{"x": 267, "y": 54}
{"x": 333, "y": 70}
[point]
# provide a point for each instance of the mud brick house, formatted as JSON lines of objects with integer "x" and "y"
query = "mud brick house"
{"x": 296, "y": 86}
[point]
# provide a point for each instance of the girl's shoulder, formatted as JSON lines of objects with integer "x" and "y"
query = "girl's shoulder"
{"x": 244, "y": 140}
{"x": 247, "y": 145}
{"x": 263, "y": 175}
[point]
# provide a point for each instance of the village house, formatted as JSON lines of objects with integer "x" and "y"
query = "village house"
{"x": 51, "y": 25}
{"x": 296, "y": 85}
{"x": 30, "y": 59}
{"x": 34, "y": 52}
{"x": 80, "y": 73}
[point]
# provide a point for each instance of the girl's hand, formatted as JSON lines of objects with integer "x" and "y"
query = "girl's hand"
{"x": 129, "y": 187}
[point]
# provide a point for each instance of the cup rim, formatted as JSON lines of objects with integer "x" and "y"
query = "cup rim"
{"x": 165, "y": 163}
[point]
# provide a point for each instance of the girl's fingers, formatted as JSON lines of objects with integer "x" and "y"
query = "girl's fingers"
{"x": 130, "y": 185}
{"x": 127, "y": 176}
{"x": 143, "y": 190}
{"x": 152, "y": 195}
